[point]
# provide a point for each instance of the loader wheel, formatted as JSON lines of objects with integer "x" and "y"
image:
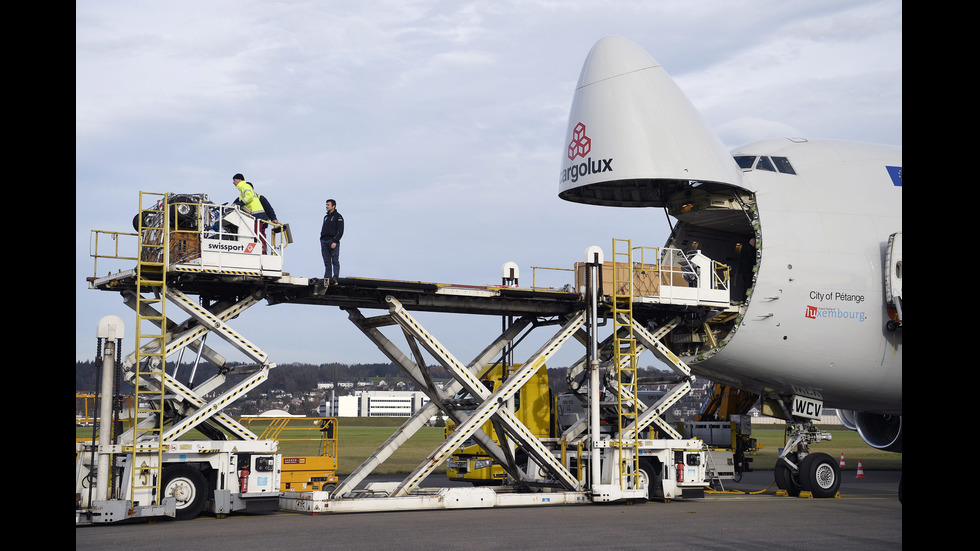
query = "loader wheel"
{"x": 652, "y": 473}
{"x": 187, "y": 484}
{"x": 820, "y": 475}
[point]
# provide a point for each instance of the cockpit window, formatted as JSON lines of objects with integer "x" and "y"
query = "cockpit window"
{"x": 765, "y": 164}
{"x": 772, "y": 164}
{"x": 782, "y": 164}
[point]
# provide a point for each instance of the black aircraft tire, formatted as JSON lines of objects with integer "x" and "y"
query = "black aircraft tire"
{"x": 820, "y": 475}
{"x": 786, "y": 479}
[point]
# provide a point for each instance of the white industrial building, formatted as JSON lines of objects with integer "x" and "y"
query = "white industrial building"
{"x": 374, "y": 403}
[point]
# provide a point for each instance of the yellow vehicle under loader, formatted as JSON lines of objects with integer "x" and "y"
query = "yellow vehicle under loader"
{"x": 532, "y": 406}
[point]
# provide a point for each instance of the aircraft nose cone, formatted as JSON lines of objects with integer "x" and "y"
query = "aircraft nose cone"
{"x": 633, "y": 137}
{"x": 613, "y": 56}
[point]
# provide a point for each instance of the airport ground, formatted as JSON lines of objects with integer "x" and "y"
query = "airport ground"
{"x": 747, "y": 515}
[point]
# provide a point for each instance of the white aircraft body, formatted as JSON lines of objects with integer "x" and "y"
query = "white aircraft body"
{"x": 810, "y": 228}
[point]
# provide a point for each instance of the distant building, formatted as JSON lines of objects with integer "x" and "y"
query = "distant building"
{"x": 374, "y": 403}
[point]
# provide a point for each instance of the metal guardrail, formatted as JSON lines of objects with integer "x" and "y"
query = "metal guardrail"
{"x": 323, "y": 430}
{"x": 99, "y": 237}
{"x": 534, "y": 278}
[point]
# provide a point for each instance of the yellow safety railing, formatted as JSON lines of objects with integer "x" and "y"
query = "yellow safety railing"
{"x": 98, "y": 250}
{"x": 302, "y": 469}
{"x": 321, "y": 430}
{"x": 85, "y": 403}
{"x": 720, "y": 275}
{"x": 86, "y": 414}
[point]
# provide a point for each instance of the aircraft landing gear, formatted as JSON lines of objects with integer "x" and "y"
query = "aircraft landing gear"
{"x": 798, "y": 470}
{"x": 786, "y": 474}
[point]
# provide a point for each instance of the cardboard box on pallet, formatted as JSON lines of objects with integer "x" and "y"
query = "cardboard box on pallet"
{"x": 647, "y": 278}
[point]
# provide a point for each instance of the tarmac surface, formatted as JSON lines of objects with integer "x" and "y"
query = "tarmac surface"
{"x": 747, "y": 515}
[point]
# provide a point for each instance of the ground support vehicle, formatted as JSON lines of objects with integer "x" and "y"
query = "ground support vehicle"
{"x": 159, "y": 467}
{"x": 152, "y": 470}
{"x": 532, "y": 406}
{"x": 302, "y": 472}
{"x": 725, "y": 427}
{"x": 727, "y": 447}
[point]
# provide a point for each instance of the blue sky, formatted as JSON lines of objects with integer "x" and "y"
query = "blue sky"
{"x": 438, "y": 126}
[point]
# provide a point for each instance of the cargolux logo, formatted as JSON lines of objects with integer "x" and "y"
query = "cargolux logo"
{"x": 580, "y": 145}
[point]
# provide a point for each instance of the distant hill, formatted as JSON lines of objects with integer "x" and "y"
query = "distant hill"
{"x": 300, "y": 378}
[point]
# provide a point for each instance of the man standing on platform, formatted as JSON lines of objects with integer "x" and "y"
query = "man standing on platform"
{"x": 330, "y": 234}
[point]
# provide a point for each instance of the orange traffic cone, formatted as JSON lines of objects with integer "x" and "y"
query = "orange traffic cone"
{"x": 860, "y": 470}
{"x": 842, "y": 460}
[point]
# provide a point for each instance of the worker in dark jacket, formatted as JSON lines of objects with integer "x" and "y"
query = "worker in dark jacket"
{"x": 330, "y": 234}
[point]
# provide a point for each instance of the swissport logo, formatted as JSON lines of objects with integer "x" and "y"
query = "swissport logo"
{"x": 581, "y": 146}
{"x": 232, "y": 248}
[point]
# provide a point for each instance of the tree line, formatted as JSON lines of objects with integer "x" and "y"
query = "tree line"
{"x": 294, "y": 378}
{"x": 298, "y": 378}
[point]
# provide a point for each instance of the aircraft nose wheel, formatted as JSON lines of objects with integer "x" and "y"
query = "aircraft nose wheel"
{"x": 786, "y": 479}
{"x": 820, "y": 475}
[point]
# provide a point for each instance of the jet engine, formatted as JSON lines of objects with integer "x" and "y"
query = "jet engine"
{"x": 880, "y": 431}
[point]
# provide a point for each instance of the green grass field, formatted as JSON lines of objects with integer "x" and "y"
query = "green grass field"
{"x": 360, "y": 437}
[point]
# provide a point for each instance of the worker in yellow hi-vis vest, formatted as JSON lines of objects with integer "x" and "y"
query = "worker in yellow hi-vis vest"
{"x": 248, "y": 198}
{"x": 252, "y": 203}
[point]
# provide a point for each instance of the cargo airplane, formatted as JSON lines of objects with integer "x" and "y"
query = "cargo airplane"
{"x": 810, "y": 228}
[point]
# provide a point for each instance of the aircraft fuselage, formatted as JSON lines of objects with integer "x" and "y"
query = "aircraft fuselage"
{"x": 816, "y": 317}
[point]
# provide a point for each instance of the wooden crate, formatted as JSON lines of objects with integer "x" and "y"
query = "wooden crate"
{"x": 184, "y": 247}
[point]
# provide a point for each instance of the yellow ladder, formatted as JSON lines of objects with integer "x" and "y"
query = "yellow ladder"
{"x": 151, "y": 335}
{"x": 624, "y": 358}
